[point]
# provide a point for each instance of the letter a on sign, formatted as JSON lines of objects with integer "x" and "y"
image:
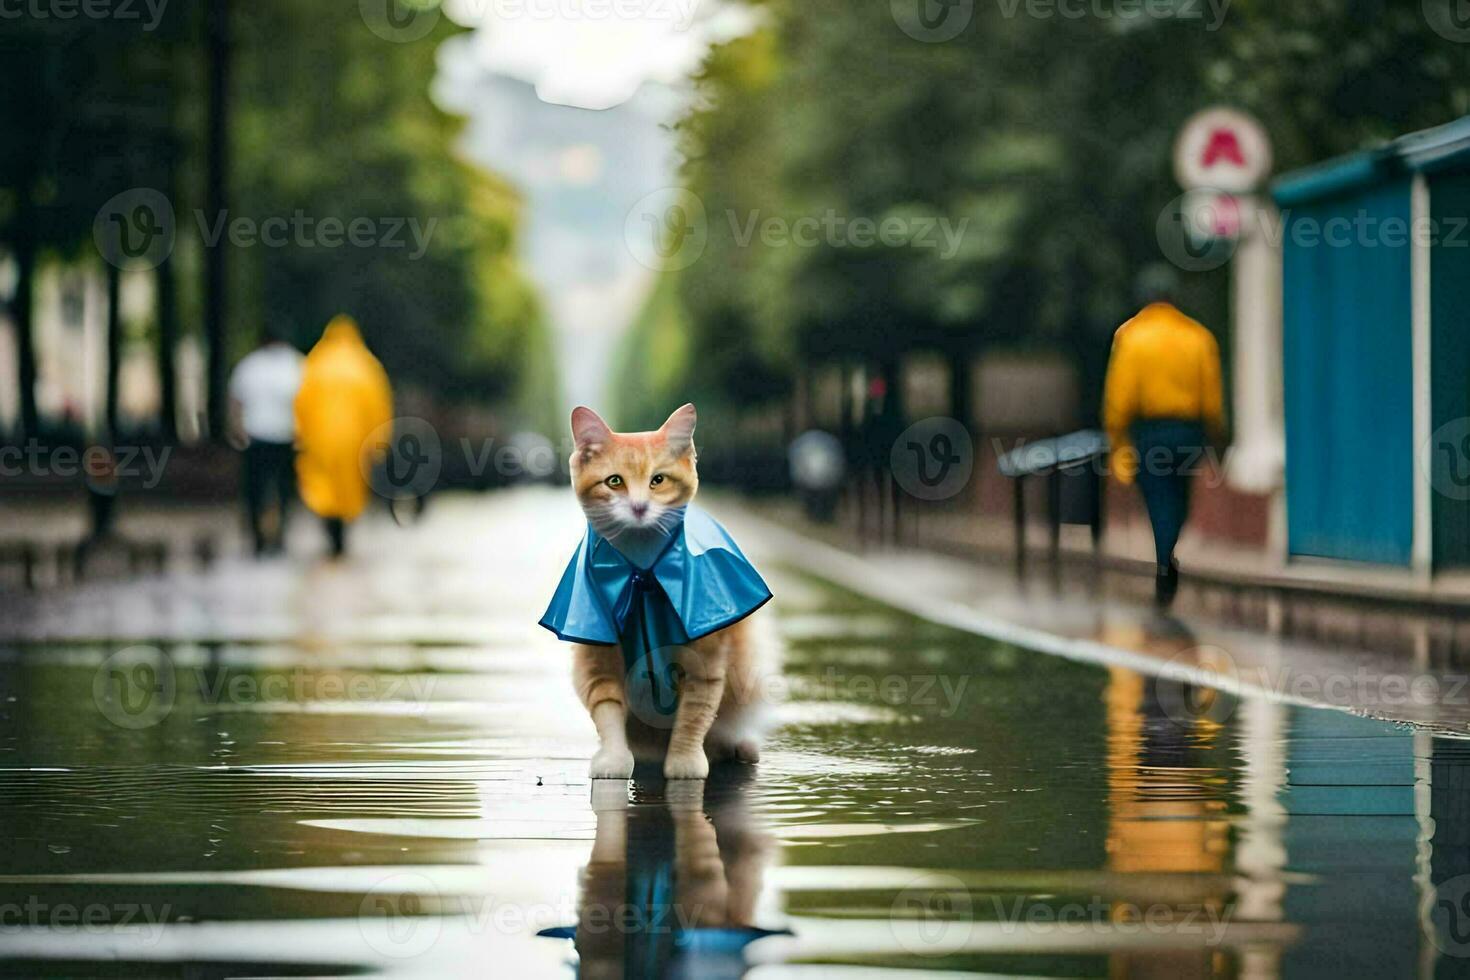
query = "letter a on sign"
{"x": 1223, "y": 145}
{"x": 1222, "y": 150}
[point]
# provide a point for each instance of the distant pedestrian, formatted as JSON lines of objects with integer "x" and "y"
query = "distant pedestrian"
{"x": 263, "y": 426}
{"x": 344, "y": 401}
{"x": 1162, "y": 406}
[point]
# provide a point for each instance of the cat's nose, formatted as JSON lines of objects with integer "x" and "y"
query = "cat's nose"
{"x": 640, "y": 508}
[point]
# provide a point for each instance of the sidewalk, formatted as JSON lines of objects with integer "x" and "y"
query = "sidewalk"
{"x": 1321, "y": 652}
{"x": 1426, "y": 620}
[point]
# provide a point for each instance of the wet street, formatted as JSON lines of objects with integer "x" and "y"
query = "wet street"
{"x": 378, "y": 767}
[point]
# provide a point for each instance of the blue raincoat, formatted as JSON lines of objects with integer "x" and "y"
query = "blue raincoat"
{"x": 697, "y": 582}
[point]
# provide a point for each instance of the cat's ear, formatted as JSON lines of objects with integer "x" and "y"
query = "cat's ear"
{"x": 679, "y": 430}
{"x": 589, "y": 430}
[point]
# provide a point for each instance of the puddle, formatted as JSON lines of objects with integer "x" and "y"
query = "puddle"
{"x": 931, "y": 804}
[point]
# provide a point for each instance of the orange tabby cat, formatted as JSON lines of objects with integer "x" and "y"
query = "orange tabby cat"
{"x": 633, "y": 488}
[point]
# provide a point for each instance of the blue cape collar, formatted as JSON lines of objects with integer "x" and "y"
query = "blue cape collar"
{"x": 701, "y": 572}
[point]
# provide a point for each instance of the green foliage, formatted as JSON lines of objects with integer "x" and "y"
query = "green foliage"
{"x": 328, "y": 123}
{"x": 335, "y": 122}
{"x": 1046, "y": 139}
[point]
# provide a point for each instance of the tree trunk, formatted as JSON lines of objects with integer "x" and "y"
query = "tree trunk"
{"x": 168, "y": 343}
{"x": 961, "y": 398}
{"x": 25, "y": 338}
{"x": 114, "y": 345}
{"x": 215, "y": 204}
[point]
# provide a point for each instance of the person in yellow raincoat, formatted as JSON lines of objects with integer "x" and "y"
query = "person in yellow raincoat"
{"x": 1162, "y": 407}
{"x": 344, "y": 408}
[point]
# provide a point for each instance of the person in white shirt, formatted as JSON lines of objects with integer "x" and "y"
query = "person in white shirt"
{"x": 263, "y": 425}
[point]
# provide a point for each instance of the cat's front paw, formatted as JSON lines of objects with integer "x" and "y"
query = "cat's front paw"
{"x": 611, "y": 762}
{"x": 686, "y": 765}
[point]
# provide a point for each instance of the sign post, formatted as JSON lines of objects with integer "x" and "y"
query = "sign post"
{"x": 1221, "y": 158}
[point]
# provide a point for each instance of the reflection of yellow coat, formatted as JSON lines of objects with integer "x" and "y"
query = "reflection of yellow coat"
{"x": 1164, "y": 366}
{"x": 343, "y": 411}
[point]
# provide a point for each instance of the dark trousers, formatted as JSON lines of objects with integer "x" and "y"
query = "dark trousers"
{"x": 1170, "y": 451}
{"x": 270, "y": 481}
{"x": 336, "y": 535}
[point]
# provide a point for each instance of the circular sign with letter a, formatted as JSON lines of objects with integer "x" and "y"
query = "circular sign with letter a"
{"x": 1222, "y": 149}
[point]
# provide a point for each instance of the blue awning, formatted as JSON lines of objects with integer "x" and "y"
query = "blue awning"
{"x": 1434, "y": 150}
{"x": 1442, "y": 148}
{"x": 1335, "y": 177}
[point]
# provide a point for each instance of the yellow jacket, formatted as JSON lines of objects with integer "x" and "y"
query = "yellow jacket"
{"x": 1164, "y": 366}
{"x": 343, "y": 413}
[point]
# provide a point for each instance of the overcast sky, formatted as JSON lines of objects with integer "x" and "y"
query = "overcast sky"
{"x": 571, "y": 100}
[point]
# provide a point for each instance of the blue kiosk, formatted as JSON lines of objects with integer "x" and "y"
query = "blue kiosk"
{"x": 1376, "y": 348}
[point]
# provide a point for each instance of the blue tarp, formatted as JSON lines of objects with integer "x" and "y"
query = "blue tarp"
{"x": 1348, "y": 366}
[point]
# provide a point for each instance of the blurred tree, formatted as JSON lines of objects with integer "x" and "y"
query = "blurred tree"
{"x": 343, "y": 193}
{"x": 1043, "y": 140}
{"x": 334, "y": 126}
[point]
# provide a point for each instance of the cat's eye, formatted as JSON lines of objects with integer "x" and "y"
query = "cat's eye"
{"x": 614, "y": 481}
{"x": 657, "y": 479}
